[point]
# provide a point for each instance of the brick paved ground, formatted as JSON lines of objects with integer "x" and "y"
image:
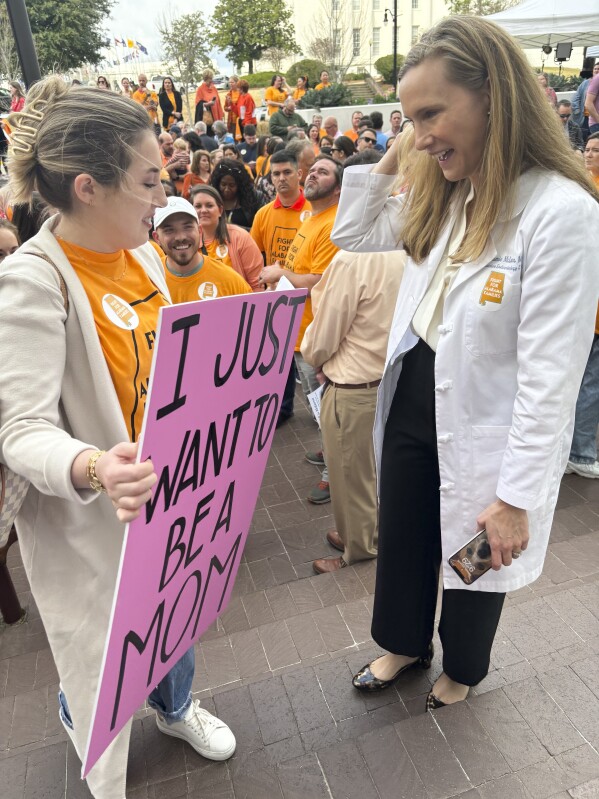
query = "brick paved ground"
{"x": 277, "y": 668}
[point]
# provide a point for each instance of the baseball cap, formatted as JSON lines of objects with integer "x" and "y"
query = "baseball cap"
{"x": 174, "y": 205}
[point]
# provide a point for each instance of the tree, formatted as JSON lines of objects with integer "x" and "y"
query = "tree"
{"x": 322, "y": 48}
{"x": 186, "y": 47}
{"x": 68, "y": 32}
{"x": 275, "y": 56}
{"x": 308, "y": 67}
{"x": 245, "y": 31}
{"x": 479, "y": 8}
{"x": 9, "y": 62}
{"x": 384, "y": 66}
{"x": 331, "y": 96}
{"x": 337, "y": 34}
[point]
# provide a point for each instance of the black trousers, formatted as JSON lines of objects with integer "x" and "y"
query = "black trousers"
{"x": 409, "y": 550}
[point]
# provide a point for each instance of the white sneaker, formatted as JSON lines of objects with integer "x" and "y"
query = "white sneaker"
{"x": 209, "y": 736}
{"x": 583, "y": 469}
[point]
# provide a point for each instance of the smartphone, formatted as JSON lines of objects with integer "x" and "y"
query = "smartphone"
{"x": 473, "y": 559}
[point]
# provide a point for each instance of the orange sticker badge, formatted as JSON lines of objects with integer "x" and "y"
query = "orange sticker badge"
{"x": 120, "y": 312}
{"x": 207, "y": 291}
{"x": 493, "y": 289}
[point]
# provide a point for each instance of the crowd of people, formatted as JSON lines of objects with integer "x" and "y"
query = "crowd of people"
{"x": 444, "y": 314}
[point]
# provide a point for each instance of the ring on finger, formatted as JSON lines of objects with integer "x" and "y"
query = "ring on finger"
{"x": 516, "y": 554}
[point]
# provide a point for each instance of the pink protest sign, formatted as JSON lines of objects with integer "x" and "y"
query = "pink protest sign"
{"x": 217, "y": 379}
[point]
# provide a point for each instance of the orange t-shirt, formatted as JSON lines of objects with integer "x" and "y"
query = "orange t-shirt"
{"x": 144, "y": 98}
{"x": 275, "y": 227}
{"x": 125, "y": 305}
{"x": 211, "y": 281}
{"x": 310, "y": 253}
{"x": 276, "y": 96}
{"x": 351, "y": 134}
{"x": 298, "y": 94}
{"x": 189, "y": 181}
{"x": 219, "y": 252}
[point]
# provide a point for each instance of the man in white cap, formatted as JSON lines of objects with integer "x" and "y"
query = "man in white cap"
{"x": 191, "y": 274}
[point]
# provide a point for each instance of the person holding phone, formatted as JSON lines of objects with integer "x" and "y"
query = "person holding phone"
{"x": 492, "y": 329}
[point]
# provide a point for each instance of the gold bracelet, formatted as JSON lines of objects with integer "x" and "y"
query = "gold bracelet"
{"x": 91, "y": 471}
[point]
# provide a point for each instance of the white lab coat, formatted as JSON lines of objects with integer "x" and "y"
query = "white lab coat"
{"x": 507, "y": 373}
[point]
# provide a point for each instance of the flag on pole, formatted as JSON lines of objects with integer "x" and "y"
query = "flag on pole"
{"x": 130, "y": 44}
{"x": 119, "y": 42}
{"x": 142, "y": 48}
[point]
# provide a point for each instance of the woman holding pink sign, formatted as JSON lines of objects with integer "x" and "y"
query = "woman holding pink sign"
{"x": 79, "y": 307}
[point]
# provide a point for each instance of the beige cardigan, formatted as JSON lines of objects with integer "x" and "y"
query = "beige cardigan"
{"x": 56, "y": 400}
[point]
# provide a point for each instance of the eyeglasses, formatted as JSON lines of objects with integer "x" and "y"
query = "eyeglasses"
{"x": 565, "y": 116}
{"x": 368, "y": 139}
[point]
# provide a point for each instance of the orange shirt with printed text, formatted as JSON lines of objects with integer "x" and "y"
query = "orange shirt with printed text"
{"x": 125, "y": 305}
{"x": 275, "y": 227}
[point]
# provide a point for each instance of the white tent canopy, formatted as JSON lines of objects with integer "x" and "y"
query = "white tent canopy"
{"x": 538, "y": 22}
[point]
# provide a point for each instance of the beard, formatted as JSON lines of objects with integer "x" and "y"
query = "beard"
{"x": 184, "y": 257}
{"x": 313, "y": 191}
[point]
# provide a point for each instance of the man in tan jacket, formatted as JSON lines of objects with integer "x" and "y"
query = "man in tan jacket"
{"x": 353, "y": 308}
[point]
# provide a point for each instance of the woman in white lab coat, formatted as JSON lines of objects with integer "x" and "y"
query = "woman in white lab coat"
{"x": 491, "y": 333}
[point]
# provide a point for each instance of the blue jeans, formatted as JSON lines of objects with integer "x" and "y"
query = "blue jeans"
{"x": 171, "y": 697}
{"x": 584, "y": 442}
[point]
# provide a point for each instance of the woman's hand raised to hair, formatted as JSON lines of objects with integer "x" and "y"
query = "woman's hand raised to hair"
{"x": 389, "y": 163}
{"x": 507, "y": 531}
{"x": 127, "y": 483}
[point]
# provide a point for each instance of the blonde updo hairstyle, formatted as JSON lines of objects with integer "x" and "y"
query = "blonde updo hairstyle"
{"x": 63, "y": 132}
{"x": 523, "y": 131}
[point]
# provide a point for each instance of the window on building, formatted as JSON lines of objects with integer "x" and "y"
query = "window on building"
{"x": 355, "y": 5}
{"x": 334, "y": 6}
{"x": 376, "y": 5}
{"x": 337, "y": 43}
{"x": 356, "y": 41}
{"x": 414, "y": 3}
{"x": 415, "y": 33}
{"x": 376, "y": 41}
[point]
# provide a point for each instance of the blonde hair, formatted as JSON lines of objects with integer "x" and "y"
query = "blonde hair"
{"x": 180, "y": 144}
{"x": 207, "y": 73}
{"x": 523, "y": 132}
{"x": 63, "y": 132}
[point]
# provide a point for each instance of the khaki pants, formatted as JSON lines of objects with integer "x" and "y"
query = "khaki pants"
{"x": 347, "y": 420}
